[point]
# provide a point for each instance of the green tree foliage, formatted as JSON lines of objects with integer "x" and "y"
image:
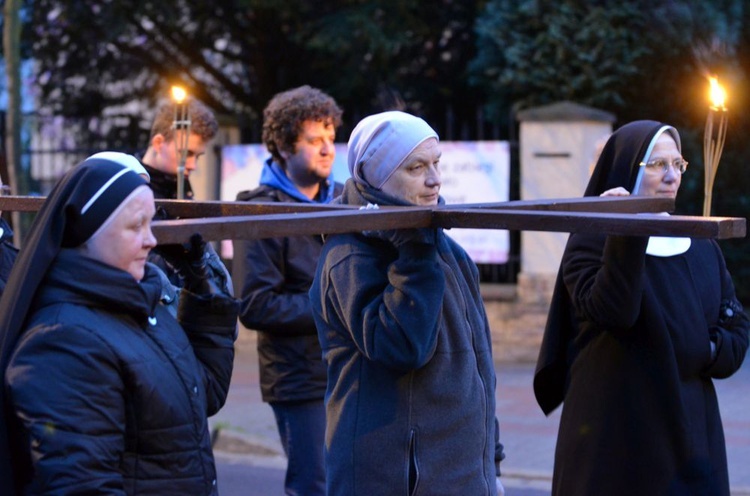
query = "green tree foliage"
{"x": 98, "y": 55}
{"x": 383, "y": 53}
{"x": 535, "y": 52}
{"x": 635, "y": 58}
{"x": 101, "y": 56}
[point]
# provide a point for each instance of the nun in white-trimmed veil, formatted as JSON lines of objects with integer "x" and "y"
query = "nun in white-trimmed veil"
{"x": 637, "y": 331}
{"x": 104, "y": 391}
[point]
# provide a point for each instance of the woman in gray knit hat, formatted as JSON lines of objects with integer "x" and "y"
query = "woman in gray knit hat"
{"x": 410, "y": 402}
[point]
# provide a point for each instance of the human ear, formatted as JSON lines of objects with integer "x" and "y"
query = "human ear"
{"x": 157, "y": 141}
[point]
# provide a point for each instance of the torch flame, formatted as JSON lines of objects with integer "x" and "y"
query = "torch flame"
{"x": 717, "y": 94}
{"x": 178, "y": 94}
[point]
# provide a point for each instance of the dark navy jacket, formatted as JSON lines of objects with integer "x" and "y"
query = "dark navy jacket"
{"x": 273, "y": 277}
{"x": 8, "y": 253}
{"x": 111, "y": 394}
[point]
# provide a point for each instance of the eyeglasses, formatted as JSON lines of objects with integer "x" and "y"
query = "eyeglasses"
{"x": 660, "y": 165}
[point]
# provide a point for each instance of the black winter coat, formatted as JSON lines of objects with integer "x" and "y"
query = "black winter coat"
{"x": 273, "y": 277}
{"x": 641, "y": 414}
{"x": 634, "y": 339}
{"x": 110, "y": 394}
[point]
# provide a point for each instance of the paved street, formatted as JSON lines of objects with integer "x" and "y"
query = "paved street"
{"x": 248, "y": 476}
{"x": 251, "y": 461}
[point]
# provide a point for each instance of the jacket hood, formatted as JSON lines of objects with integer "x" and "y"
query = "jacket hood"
{"x": 75, "y": 278}
{"x": 274, "y": 176}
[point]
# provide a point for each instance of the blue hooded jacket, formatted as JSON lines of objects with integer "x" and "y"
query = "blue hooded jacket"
{"x": 275, "y": 177}
{"x": 273, "y": 277}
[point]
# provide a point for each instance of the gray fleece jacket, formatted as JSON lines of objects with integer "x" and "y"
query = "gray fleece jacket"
{"x": 411, "y": 381}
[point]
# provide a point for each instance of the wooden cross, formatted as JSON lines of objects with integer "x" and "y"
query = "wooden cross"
{"x": 218, "y": 220}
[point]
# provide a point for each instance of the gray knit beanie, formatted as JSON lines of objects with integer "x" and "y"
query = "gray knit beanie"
{"x": 380, "y": 143}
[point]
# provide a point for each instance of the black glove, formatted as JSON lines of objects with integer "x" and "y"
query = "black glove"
{"x": 190, "y": 260}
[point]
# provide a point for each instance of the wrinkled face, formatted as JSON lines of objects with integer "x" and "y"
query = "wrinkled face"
{"x": 166, "y": 158}
{"x": 312, "y": 158}
{"x": 126, "y": 240}
{"x": 656, "y": 182}
{"x": 417, "y": 179}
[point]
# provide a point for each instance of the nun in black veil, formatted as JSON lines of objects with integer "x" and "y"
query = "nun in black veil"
{"x": 637, "y": 330}
{"x": 104, "y": 391}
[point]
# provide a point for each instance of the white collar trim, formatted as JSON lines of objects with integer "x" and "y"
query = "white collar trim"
{"x": 661, "y": 246}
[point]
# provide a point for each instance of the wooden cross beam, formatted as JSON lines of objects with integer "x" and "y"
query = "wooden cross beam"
{"x": 189, "y": 209}
{"x": 278, "y": 225}
{"x": 243, "y": 220}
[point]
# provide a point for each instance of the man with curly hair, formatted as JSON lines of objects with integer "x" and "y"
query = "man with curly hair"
{"x": 273, "y": 277}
